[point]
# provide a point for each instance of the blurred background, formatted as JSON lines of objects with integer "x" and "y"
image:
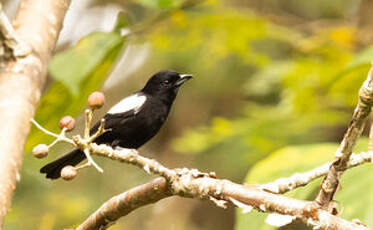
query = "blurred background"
{"x": 275, "y": 85}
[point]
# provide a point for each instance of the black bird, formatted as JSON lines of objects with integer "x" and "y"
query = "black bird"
{"x": 133, "y": 121}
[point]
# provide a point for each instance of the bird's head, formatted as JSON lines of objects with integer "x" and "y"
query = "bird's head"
{"x": 165, "y": 83}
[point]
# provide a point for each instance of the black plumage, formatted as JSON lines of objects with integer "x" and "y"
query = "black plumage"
{"x": 131, "y": 122}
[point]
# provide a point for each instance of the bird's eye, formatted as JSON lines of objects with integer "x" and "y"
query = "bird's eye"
{"x": 165, "y": 82}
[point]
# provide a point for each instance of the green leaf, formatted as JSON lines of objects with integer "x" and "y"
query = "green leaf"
{"x": 122, "y": 21}
{"x": 293, "y": 159}
{"x": 161, "y": 4}
{"x": 99, "y": 52}
{"x": 360, "y": 60}
{"x": 74, "y": 65}
{"x": 355, "y": 197}
{"x": 364, "y": 57}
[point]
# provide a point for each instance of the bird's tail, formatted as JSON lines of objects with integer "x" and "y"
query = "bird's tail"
{"x": 53, "y": 169}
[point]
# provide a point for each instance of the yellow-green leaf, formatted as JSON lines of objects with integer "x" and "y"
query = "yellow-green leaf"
{"x": 90, "y": 73}
{"x": 293, "y": 159}
{"x": 73, "y": 66}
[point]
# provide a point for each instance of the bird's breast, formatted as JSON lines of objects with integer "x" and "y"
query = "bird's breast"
{"x": 144, "y": 125}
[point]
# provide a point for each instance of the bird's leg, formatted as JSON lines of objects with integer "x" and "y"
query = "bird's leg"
{"x": 101, "y": 129}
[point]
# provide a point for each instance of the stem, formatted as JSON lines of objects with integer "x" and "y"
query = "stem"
{"x": 91, "y": 161}
{"x": 59, "y": 137}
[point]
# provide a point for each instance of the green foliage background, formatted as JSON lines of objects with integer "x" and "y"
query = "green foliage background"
{"x": 275, "y": 87}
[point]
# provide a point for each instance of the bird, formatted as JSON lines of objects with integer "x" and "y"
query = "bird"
{"x": 131, "y": 122}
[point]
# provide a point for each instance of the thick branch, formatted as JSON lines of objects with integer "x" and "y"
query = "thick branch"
{"x": 37, "y": 24}
{"x": 194, "y": 184}
{"x": 125, "y": 203}
{"x": 11, "y": 46}
{"x": 306, "y": 211}
{"x": 331, "y": 181}
{"x": 130, "y": 156}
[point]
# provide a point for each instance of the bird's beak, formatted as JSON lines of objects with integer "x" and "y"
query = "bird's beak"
{"x": 183, "y": 78}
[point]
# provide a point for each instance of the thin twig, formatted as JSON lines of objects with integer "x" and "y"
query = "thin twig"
{"x": 85, "y": 165}
{"x": 91, "y": 161}
{"x": 83, "y": 143}
{"x": 44, "y": 130}
{"x": 77, "y": 141}
{"x": 59, "y": 137}
{"x": 283, "y": 185}
{"x": 88, "y": 121}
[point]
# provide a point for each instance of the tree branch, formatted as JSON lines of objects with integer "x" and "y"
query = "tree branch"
{"x": 202, "y": 187}
{"x": 331, "y": 180}
{"x": 284, "y": 185}
{"x": 192, "y": 183}
{"x": 11, "y": 45}
{"x": 36, "y": 24}
{"x": 125, "y": 203}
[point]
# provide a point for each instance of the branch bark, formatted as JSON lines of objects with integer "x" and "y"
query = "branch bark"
{"x": 37, "y": 23}
{"x": 194, "y": 184}
{"x": 129, "y": 201}
{"x": 283, "y": 185}
{"x": 331, "y": 181}
{"x": 125, "y": 203}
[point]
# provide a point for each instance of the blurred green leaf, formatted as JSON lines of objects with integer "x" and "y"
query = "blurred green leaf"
{"x": 73, "y": 66}
{"x": 356, "y": 194}
{"x": 287, "y": 86}
{"x": 364, "y": 57}
{"x": 122, "y": 21}
{"x": 297, "y": 159}
{"x": 291, "y": 159}
{"x": 85, "y": 66}
{"x": 229, "y": 33}
{"x": 161, "y": 4}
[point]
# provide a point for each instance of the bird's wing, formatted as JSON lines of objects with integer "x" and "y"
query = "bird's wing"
{"x": 120, "y": 112}
{"x": 133, "y": 102}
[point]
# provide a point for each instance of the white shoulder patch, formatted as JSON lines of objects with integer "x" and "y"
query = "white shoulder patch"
{"x": 133, "y": 102}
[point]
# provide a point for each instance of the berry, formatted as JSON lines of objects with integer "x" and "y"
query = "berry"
{"x": 67, "y": 122}
{"x": 69, "y": 172}
{"x": 96, "y": 100}
{"x": 40, "y": 151}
